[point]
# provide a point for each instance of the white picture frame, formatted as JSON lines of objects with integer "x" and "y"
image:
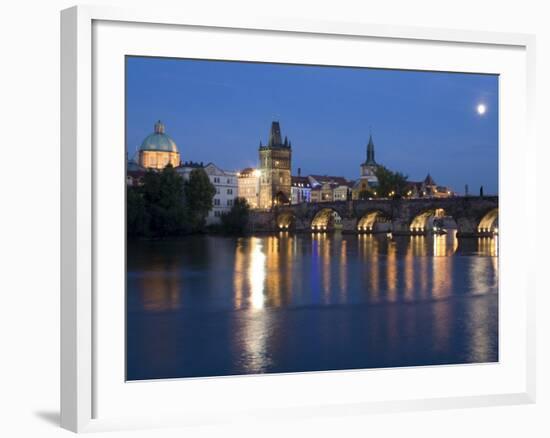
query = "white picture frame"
{"x": 84, "y": 379}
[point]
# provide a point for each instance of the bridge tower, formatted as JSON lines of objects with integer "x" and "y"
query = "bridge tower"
{"x": 275, "y": 167}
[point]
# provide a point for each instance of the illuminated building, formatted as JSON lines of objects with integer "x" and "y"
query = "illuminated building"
{"x": 158, "y": 150}
{"x": 248, "y": 181}
{"x": 325, "y": 188}
{"x": 300, "y": 190}
{"x": 342, "y": 192}
{"x": 427, "y": 189}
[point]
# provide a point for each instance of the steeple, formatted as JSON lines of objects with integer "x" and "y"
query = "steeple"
{"x": 429, "y": 181}
{"x": 370, "y": 152}
{"x": 275, "y": 135}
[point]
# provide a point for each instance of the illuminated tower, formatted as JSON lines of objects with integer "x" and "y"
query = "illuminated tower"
{"x": 275, "y": 165}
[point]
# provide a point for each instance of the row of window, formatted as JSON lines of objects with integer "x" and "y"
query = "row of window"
{"x": 217, "y": 180}
{"x": 229, "y": 191}
{"x": 217, "y": 202}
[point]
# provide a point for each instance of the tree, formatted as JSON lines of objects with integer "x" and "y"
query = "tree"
{"x": 163, "y": 194}
{"x": 165, "y": 205}
{"x": 155, "y": 208}
{"x": 199, "y": 199}
{"x": 137, "y": 217}
{"x": 390, "y": 184}
{"x": 236, "y": 219}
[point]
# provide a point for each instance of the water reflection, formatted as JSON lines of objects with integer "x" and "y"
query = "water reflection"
{"x": 291, "y": 302}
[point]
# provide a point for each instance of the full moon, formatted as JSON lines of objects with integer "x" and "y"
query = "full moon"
{"x": 481, "y": 109}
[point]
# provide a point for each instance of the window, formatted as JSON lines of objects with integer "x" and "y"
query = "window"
{"x": 229, "y": 191}
{"x": 218, "y": 190}
{"x": 228, "y": 180}
{"x": 229, "y": 202}
{"x": 216, "y": 179}
{"x": 216, "y": 201}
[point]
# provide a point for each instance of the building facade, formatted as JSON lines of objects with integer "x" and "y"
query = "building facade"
{"x": 325, "y": 188}
{"x": 275, "y": 165}
{"x": 248, "y": 181}
{"x": 158, "y": 150}
{"x": 342, "y": 192}
{"x": 428, "y": 189}
{"x": 300, "y": 190}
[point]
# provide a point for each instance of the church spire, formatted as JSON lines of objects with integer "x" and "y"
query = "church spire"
{"x": 370, "y": 152}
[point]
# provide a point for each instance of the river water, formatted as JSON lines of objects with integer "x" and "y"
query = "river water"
{"x": 216, "y": 306}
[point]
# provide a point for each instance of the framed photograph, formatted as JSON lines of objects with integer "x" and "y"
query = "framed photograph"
{"x": 266, "y": 218}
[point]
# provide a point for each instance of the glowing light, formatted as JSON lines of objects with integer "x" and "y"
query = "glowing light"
{"x": 257, "y": 274}
{"x": 256, "y": 173}
{"x": 481, "y": 109}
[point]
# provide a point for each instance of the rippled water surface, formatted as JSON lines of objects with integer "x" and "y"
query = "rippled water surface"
{"x": 213, "y": 306}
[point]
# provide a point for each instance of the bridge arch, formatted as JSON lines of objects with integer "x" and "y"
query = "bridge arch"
{"x": 432, "y": 219}
{"x": 326, "y": 219}
{"x": 286, "y": 220}
{"x": 373, "y": 222}
{"x": 281, "y": 199}
{"x": 489, "y": 222}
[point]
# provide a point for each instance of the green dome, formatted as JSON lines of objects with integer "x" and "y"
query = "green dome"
{"x": 158, "y": 141}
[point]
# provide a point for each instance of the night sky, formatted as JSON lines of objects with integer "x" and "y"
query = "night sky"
{"x": 420, "y": 121}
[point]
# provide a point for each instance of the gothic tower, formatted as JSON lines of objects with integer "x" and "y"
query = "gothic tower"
{"x": 275, "y": 165}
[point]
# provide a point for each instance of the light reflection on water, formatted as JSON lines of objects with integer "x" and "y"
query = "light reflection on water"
{"x": 285, "y": 302}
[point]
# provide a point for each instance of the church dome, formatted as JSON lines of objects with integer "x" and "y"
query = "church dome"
{"x": 159, "y": 141}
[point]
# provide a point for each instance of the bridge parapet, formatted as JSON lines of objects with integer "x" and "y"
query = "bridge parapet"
{"x": 467, "y": 212}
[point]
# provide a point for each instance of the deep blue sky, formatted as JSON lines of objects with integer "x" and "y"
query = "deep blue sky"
{"x": 421, "y": 121}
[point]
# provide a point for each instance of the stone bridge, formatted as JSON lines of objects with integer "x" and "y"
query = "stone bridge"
{"x": 471, "y": 216}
